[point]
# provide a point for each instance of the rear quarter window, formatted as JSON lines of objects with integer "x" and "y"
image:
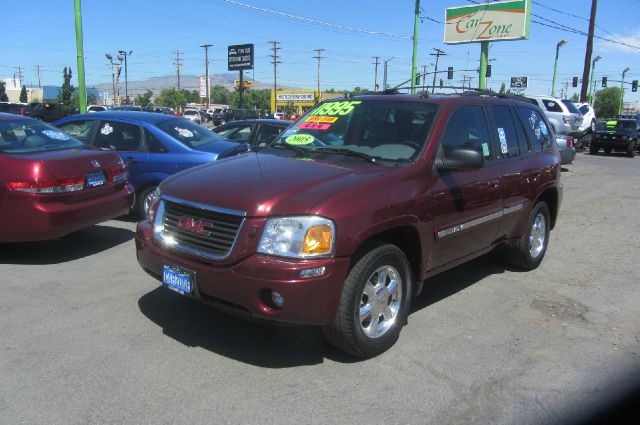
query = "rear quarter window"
{"x": 535, "y": 128}
{"x": 552, "y": 105}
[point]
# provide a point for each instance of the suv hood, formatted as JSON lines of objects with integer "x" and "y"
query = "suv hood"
{"x": 263, "y": 184}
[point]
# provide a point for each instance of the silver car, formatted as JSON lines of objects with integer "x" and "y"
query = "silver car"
{"x": 193, "y": 115}
{"x": 562, "y": 114}
{"x": 566, "y": 147}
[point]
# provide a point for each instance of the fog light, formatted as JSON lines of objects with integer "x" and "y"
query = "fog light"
{"x": 277, "y": 298}
{"x": 318, "y": 271}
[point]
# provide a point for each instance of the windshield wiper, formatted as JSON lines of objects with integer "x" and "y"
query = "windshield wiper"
{"x": 296, "y": 149}
{"x": 349, "y": 152}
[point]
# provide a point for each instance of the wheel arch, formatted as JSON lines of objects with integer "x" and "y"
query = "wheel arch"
{"x": 550, "y": 197}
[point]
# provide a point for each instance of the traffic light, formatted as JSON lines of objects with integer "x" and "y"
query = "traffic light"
{"x": 450, "y": 73}
{"x": 634, "y": 86}
{"x": 441, "y": 83}
{"x": 488, "y": 71}
{"x": 574, "y": 83}
{"x": 604, "y": 81}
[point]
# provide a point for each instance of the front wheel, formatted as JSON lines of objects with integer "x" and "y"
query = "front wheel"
{"x": 374, "y": 303}
{"x": 631, "y": 149}
{"x": 144, "y": 200}
{"x": 593, "y": 148}
{"x": 530, "y": 249}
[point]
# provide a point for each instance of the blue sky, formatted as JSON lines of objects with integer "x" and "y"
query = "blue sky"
{"x": 42, "y": 32}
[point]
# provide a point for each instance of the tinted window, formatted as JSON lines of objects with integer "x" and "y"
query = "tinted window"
{"x": 537, "y": 130}
{"x": 505, "y": 131}
{"x": 118, "y": 136}
{"x": 267, "y": 134}
{"x": 153, "y": 144}
{"x": 467, "y": 127}
{"x": 571, "y": 107}
{"x": 187, "y": 132}
{"x": 237, "y": 133}
{"x": 27, "y": 136}
{"x": 81, "y": 130}
{"x": 552, "y": 105}
{"x": 584, "y": 109}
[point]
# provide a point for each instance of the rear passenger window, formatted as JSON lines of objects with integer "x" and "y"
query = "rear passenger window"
{"x": 552, "y": 105}
{"x": 118, "y": 136}
{"x": 467, "y": 127}
{"x": 537, "y": 131}
{"x": 153, "y": 143}
{"x": 505, "y": 131}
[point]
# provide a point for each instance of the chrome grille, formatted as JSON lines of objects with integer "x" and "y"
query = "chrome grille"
{"x": 223, "y": 228}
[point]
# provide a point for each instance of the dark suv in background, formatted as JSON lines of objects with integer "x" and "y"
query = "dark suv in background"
{"x": 47, "y": 111}
{"x": 340, "y": 220}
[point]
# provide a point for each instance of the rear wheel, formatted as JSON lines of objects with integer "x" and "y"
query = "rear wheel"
{"x": 530, "y": 250}
{"x": 607, "y": 151}
{"x": 144, "y": 200}
{"x": 593, "y": 148}
{"x": 374, "y": 303}
{"x": 631, "y": 149}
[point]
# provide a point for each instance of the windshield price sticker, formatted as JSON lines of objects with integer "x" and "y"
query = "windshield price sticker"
{"x": 337, "y": 108}
{"x": 329, "y": 120}
{"x": 314, "y": 126}
{"x": 300, "y": 139}
{"x": 55, "y": 135}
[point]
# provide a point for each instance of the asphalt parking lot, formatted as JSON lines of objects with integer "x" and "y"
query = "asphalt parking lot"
{"x": 86, "y": 337}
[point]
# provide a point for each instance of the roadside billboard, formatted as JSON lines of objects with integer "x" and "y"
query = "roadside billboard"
{"x": 499, "y": 21}
{"x": 240, "y": 57}
{"x": 203, "y": 86}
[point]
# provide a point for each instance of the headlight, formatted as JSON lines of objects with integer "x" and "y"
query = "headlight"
{"x": 154, "y": 198}
{"x": 298, "y": 237}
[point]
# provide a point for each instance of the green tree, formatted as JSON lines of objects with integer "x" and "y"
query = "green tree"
{"x": 172, "y": 98}
{"x": 220, "y": 94}
{"x": 503, "y": 88}
{"x": 3, "y": 92}
{"x": 75, "y": 100}
{"x": 607, "y": 101}
{"x": 575, "y": 98}
{"x": 144, "y": 99}
{"x": 23, "y": 95}
{"x": 66, "y": 92}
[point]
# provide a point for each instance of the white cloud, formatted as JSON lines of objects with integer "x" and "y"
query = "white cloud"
{"x": 629, "y": 40}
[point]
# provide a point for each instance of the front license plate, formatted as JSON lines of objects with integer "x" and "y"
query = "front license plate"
{"x": 95, "y": 179}
{"x": 177, "y": 279}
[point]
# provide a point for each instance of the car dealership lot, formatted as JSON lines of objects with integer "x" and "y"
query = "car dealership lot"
{"x": 87, "y": 337}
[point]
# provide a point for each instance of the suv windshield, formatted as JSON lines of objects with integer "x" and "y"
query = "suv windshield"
{"x": 624, "y": 124}
{"x": 570, "y": 106}
{"x": 26, "y": 136}
{"x": 392, "y": 131}
{"x": 188, "y": 133}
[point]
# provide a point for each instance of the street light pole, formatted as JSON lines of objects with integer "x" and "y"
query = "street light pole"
{"x": 555, "y": 67}
{"x": 206, "y": 70}
{"x": 82, "y": 91}
{"x": 624, "y": 72}
{"x": 415, "y": 47}
{"x": 126, "y": 79}
{"x": 384, "y": 77}
{"x": 593, "y": 71}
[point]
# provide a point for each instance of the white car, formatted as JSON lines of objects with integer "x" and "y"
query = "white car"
{"x": 278, "y": 115}
{"x": 193, "y": 115}
{"x": 96, "y": 108}
{"x": 588, "y": 118}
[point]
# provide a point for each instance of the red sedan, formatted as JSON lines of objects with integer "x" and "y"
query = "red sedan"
{"x": 52, "y": 184}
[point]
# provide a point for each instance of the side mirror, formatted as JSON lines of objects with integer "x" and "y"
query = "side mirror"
{"x": 460, "y": 159}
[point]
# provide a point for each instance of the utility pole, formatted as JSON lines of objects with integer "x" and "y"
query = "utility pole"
{"x": 178, "y": 64}
{"x": 275, "y": 63}
{"x": 384, "y": 76}
{"x": 437, "y": 54}
{"x": 126, "y": 78}
{"x": 587, "y": 56}
{"x": 206, "y": 69}
{"x": 375, "y": 73}
{"x": 424, "y": 75}
{"x": 20, "y": 75}
{"x": 38, "y": 71}
{"x": 318, "y": 57}
{"x": 82, "y": 91}
{"x": 566, "y": 90}
{"x": 414, "y": 57}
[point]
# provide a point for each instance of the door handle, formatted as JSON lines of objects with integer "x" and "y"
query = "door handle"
{"x": 131, "y": 160}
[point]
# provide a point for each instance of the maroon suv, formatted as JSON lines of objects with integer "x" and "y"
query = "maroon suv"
{"x": 340, "y": 220}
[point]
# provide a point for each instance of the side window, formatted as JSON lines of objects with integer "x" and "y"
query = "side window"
{"x": 537, "y": 131}
{"x": 118, "y": 136}
{"x": 154, "y": 145}
{"x": 505, "y": 131}
{"x": 467, "y": 127}
{"x": 552, "y": 105}
{"x": 80, "y": 130}
{"x": 267, "y": 134}
{"x": 238, "y": 134}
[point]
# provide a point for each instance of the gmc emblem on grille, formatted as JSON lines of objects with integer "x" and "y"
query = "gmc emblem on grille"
{"x": 192, "y": 225}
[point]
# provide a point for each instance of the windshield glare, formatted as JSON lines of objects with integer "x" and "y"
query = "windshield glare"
{"x": 393, "y": 131}
{"x": 188, "y": 133}
{"x": 26, "y": 136}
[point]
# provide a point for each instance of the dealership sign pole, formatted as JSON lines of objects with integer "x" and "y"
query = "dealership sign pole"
{"x": 240, "y": 58}
{"x": 483, "y": 23}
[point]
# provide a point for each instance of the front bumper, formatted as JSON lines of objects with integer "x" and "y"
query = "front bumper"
{"x": 29, "y": 218}
{"x": 240, "y": 288}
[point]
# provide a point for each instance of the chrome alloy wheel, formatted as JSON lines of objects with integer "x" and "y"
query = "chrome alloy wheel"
{"x": 537, "y": 236}
{"x": 380, "y": 301}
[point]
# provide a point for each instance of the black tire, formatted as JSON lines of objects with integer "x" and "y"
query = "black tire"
{"x": 631, "y": 149}
{"x": 140, "y": 200}
{"x": 593, "y": 149}
{"x": 520, "y": 256}
{"x": 346, "y": 332}
{"x": 607, "y": 151}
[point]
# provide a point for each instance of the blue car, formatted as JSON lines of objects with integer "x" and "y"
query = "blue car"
{"x": 154, "y": 145}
